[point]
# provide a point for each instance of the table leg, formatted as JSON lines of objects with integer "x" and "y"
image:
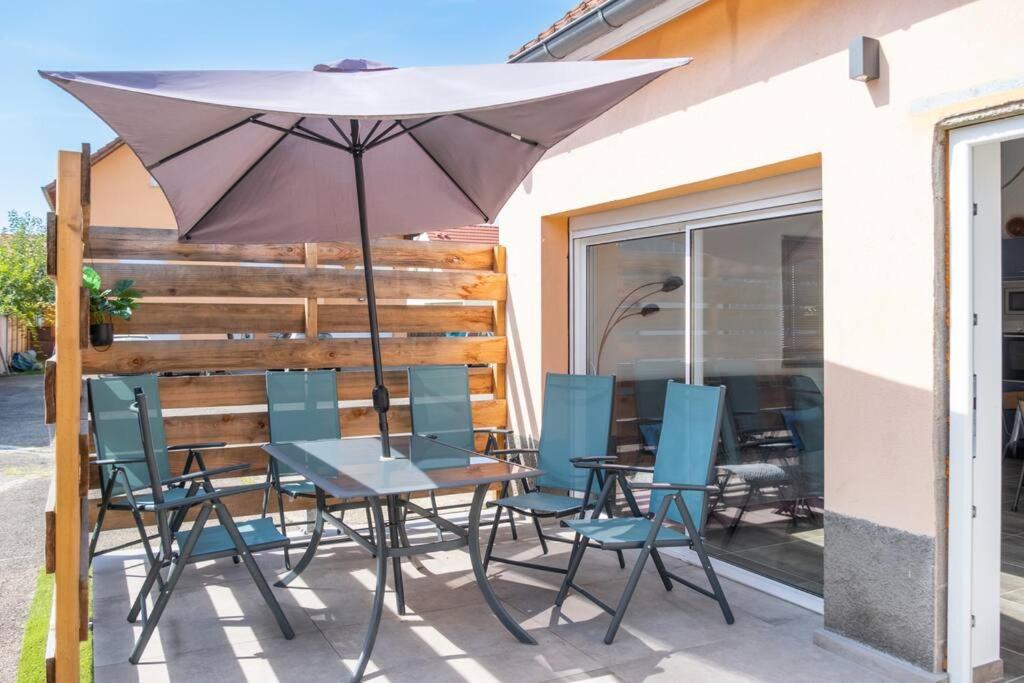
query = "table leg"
{"x": 314, "y": 540}
{"x": 394, "y": 520}
{"x": 478, "y": 568}
{"x": 381, "y": 588}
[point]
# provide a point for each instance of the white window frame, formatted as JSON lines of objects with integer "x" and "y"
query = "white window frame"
{"x": 779, "y": 206}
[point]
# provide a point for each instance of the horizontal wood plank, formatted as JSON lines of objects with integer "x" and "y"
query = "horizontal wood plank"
{"x": 162, "y": 245}
{"x": 167, "y": 280}
{"x": 235, "y": 390}
{"x": 125, "y": 357}
{"x": 217, "y": 318}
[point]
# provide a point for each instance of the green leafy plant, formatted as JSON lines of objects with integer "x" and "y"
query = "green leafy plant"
{"x": 26, "y": 293}
{"x": 105, "y": 304}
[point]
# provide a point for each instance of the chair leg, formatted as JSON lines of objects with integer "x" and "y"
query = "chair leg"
{"x": 369, "y": 522}
{"x": 146, "y": 546}
{"x": 107, "y": 491}
{"x": 579, "y": 546}
{"x": 627, "y": 594}
{"x": 228, "y": 523}
{"x": 395, "y": 523}
{"x": 662, "y": 572}
{"x": 266, "y": 496}
{"x": 284, "y": 527}
{"x": 1020, "y": 485}
{"x": 494, "y": 534}
{"x": 147, "y": 586}
{"x": 172, "y": 581}
{"x": 433, "y": 509}
{"x": 540, "y": 534}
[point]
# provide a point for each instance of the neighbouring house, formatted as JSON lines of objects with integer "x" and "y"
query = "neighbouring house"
{"x": 815, "y": 209}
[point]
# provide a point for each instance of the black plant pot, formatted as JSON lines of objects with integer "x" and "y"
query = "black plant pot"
{"x": 101, "y": 334}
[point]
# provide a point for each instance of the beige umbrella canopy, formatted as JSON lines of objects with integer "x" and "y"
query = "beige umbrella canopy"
{"x": 349, "y": 150}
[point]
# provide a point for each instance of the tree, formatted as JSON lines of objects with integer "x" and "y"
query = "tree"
{"x": 26, "y": 293}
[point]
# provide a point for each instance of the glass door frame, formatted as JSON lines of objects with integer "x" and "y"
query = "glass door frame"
{"x": 763, "y": 209}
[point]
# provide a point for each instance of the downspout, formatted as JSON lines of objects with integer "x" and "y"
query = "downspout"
{"x": 588, "y": 28}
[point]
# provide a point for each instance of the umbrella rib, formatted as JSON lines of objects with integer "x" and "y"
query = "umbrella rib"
{"x": 381, "y": 139}
{"x": 495, "y": 129}
{"x": 448, "y": 175}
{"x": 340, "y": 131}
{"x": 308, "y": 135}
{"x": 244, "y": 175}
{"x": 200, "y": 143}
{"x": 387, "y": 130}
{"x": 322, "y": 138}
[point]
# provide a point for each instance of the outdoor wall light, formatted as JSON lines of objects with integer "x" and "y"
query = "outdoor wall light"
{"x": 864, "y": 58}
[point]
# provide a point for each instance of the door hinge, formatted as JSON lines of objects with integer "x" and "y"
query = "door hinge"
{"x": 975, "y": 319}
{"x": 974, "y": 416}
{"x": 975, "y": 208}
{"x": 972, "y": 621}
{"x": 974, "y": 511}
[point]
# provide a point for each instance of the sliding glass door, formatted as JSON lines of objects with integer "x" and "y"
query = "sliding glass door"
{"x": 734, "y": 301}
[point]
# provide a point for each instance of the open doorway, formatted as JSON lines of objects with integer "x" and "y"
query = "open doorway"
{"x": 1011, "y": 588}
{"x": 986, "y": 416}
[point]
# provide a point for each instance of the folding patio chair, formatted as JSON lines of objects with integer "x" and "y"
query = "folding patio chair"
{"x": 201, "y": 542}
{"x": 440, "y": 408}
{"x": 682, "y": 479}
{"x": 302, "y": 406}
{"x": 577, "y": 426}
{"x": 123, "y": 472}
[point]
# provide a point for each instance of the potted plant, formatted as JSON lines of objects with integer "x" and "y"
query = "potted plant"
{"x": 107, "y": 304}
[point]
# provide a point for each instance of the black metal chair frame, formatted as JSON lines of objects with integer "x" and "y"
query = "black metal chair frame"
{"x": 648, "y": 547}
{"x": 167, "y": 512}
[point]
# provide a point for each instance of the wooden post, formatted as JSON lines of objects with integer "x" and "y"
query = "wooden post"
{"x": 312, "y": 315}
{"x": 67, "y": 504}
{"x": 499, "y": 324}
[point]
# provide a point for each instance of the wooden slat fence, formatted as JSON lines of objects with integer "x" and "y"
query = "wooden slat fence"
{"x": 440, "y": 303}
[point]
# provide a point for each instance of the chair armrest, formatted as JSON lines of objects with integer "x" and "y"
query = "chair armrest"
{"x": 198, "y": 474}
{"x": 189, "y": 501}
{"x": 661, "y": 486}
{"x": 612, "y": 467}
{"x": 117, "y": 461}
{"x": 492, "y": 430}
{"x": 593, "y": 458}
{"x": 514, "y": 451}
{"x": 195, "y": 446}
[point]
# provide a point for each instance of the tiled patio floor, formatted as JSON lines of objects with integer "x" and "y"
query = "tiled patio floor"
{"x": 217, "y": 628}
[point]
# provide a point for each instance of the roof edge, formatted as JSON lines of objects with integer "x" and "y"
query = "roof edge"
{"x": 50, "y": 189}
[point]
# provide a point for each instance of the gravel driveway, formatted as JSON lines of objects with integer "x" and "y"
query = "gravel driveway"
{"x": 26, "y": 463}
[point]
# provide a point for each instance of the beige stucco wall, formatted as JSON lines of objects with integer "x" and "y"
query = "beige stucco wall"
{"x": 768, "y": 92}
{"x": 123, "y": 196}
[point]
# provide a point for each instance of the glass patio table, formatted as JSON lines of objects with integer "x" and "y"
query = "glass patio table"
{"x": 353, "y": 468}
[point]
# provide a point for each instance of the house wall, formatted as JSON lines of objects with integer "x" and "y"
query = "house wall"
{"x": 768, "y": 92}
{"x": 124, "y": 196}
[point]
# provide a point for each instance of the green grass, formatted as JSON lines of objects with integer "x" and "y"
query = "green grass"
{"x": 32, "y": 662}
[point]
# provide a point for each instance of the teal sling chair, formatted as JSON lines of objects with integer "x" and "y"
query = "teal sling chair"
{"x": 302, "y": 406}
{"x": 124, "y": 477}
{"x": 683, "y": 476}
{"x": 577, "y": 426}
{"x": 200, "y": 543}
{"x": 440, "y": 408}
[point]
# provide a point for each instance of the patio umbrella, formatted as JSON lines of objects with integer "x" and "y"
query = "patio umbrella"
{"x": 351, "y": 149}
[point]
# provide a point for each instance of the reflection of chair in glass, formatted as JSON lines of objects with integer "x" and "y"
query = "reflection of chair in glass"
{"x": 440, "y": 408}
{"x": 744, "y": 478}
{"x": 302, "y": 406}
{"x": 807, "y": 427}
{"x": 123, "y": 472}
{"x": 200, "y": 543}
{"x": 577, "y": 425}
{"x": 1016, "y": 437}
{"x": 682, "y": 479}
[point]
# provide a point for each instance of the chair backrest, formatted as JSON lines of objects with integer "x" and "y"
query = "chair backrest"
{"x": 689, "y": 441}
{"x": 439, "y": 404}
{"x": 144, "y": 427}
{"x": 577, "y": 418}
{"x": 115, "y": 427}
{"x": 302, "y": 406}
{"x": 807, "y": 430}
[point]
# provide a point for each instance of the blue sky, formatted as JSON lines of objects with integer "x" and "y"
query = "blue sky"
{"x": 37, "y": 118}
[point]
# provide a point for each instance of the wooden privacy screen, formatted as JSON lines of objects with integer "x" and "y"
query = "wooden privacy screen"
{"x": 440, "y": 303}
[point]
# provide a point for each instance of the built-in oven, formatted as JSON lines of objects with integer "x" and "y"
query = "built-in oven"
{"x": 1013, "y": 299}
{"x": 1013, "y": 357}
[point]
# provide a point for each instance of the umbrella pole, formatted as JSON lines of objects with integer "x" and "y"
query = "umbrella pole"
{"x": 381, "y": 400}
